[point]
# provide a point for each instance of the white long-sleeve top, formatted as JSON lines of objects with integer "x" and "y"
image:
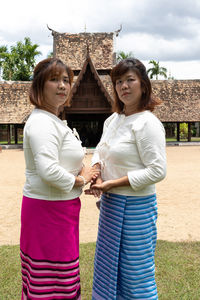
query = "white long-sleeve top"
{"x": 132, "y": 146}
{"x": 53, "y": 158}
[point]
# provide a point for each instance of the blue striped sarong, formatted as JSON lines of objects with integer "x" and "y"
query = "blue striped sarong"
{"x": 124, "y": 267}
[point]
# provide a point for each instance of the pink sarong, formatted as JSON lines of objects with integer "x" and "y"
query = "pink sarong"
{"x": 49, "y": 246}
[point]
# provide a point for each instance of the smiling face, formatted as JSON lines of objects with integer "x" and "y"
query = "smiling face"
{"x": 55, "y": 92}
{"x": 129, "y": 91}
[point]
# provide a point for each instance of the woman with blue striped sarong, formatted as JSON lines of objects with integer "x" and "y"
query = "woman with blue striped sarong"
{"x": 131, "y": 157}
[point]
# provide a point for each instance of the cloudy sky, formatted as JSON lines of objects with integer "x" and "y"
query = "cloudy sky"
{"x": 167, "y": 31}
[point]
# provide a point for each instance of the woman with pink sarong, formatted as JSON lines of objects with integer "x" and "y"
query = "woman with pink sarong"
{"x": 55, "y": 176}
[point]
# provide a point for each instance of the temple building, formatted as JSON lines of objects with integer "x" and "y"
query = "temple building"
{"x": 91, "y": 56}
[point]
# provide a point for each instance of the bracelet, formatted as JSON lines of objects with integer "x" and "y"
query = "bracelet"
{"x": 84, "y": 180}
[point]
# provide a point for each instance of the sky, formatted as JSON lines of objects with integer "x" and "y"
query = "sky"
{"x": 167, "y": 31}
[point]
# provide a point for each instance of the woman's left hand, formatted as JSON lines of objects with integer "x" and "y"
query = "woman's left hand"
{"x": 104, "y": 186}
{"x": 93, "y": 191}
{"x": 107, "y": 185}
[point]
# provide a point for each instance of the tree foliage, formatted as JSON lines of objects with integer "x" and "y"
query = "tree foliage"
{"x": 156, "y": 70}
{"x": 123, "y": 55}
{"x": 3, "y": 51}
{"x": 50, "y": 54}
{"x": 18, "y": 64}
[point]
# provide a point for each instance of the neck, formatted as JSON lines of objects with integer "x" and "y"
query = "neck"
{"x": 130, "y": 110}
{"x": 51, "y": 109}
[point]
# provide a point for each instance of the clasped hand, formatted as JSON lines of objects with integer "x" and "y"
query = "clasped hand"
{"x": 90, "y": 174}
{"x": 97, "y": 186}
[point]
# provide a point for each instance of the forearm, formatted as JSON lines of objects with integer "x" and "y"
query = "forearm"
{"x": 123, "y": 181}
{"x": 109, "y": 184}
{"x": 52, "y": 173}
{"x": 80, "y": 181}
{"x": 86, "y": 175}
{"x": 97, "y": 167}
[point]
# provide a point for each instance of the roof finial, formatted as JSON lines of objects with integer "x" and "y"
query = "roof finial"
{"x": 52, "y": 31}
{"x": 88, "y": 49}
{"x": 118, "y": 31}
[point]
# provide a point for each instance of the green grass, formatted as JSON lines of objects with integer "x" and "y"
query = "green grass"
{"x": 12, "y": 142}
{"x": 10, "y": 277}
{"x": 194, "y": 139}
{"x": 173, "y": 139}
{"x": 177, "y": 271}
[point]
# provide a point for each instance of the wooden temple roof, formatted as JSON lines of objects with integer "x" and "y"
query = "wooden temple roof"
{"x": 88, "y": 63}
{"x": 15, "y": 106}
{"x": 181, "y": 98}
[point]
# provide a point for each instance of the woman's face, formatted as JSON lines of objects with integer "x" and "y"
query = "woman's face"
{"x": 56, "y": 90}
{"x": 128, "y": 88}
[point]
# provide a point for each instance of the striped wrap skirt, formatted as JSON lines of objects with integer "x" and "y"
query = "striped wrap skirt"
{"x": 124, "y": 265}
{"x": 49, "y": 249}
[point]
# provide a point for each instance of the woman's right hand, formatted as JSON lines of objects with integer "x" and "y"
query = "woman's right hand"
{"x": 93, "y": 191}
{"x": 89, "y": 174}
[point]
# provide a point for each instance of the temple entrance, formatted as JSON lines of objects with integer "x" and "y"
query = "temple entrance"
{"x": 88, "y": 126}
{"x": 89, "y": 105}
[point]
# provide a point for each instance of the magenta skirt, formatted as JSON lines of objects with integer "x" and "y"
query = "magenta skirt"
{"x": 49, "y": 246}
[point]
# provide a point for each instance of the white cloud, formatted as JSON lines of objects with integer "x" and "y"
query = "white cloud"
{"x": 145, "y": 46}
{"x": 167, "y": 30}
{"x": 180, "y": 70}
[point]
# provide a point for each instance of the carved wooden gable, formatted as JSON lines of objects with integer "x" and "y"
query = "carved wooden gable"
{"x": 88, "y": 93}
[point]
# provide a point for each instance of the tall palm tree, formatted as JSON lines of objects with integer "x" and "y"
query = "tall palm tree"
{"x": 122, "y": 55}
{"x": 156, "y": 70}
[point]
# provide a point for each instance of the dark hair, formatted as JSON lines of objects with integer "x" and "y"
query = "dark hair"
{"x": 148, "y": 101}
{"x": 41, "y": 73}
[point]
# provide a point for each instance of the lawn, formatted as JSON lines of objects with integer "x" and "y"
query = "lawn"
{"x": 174, "y": 139}
{"x": 177, "y": 271}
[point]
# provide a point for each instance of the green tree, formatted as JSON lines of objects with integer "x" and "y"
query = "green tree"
{"x": 156, "y": 70}
{"x": 50, "y": 54}
{"x": 183, "y": 130}
{"x": 122, "y": 55}
{"x": 3, "y": 51}
{"x": 18, "y": 64}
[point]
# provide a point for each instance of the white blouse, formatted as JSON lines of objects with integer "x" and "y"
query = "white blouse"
{"x": 132, "y": 146}
{"x": 53, "y": 157}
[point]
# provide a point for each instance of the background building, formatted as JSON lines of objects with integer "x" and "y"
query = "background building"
{"x": 91, "y": 56}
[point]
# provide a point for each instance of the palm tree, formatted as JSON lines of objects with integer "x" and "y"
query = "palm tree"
{"x": 122, "y": 55}
{"x": 156, "y": 70}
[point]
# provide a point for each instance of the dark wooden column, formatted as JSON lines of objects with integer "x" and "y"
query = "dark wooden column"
{"x": 189, "y": 132}
{"x": 8, "y": 134}
{"x": 16, "y": 133}
{"x": 178, "y": 131}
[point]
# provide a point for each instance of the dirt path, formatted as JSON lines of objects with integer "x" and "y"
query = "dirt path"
{"x": 178, "y": 198}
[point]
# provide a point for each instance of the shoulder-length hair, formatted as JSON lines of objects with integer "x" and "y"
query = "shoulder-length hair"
{"x": 42, "y": 72}
{"x": 148, "y": 101}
